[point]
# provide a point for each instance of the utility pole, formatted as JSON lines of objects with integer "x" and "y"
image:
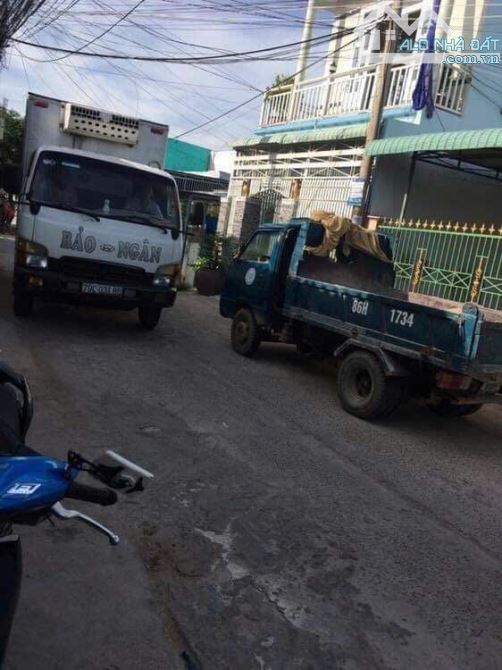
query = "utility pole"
{"x": 306, "y": 37}
{"x": 381, "y": 87}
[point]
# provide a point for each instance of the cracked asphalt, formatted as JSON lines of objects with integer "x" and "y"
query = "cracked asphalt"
{"x": 279, "y": 533}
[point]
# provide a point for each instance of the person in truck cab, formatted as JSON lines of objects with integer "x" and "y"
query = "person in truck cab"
{"x": 52, "y": 186}
{"x": 143, "y": 201}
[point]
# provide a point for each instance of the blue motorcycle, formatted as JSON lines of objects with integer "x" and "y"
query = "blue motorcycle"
{"x": 32, "y": 487}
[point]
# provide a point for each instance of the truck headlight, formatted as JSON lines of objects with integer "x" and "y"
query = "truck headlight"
{"x": 167, "y": 275}
{"x": 31, "y": 254}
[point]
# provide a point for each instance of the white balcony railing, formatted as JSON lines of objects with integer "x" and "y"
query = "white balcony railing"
{"x": 352, "y": 92}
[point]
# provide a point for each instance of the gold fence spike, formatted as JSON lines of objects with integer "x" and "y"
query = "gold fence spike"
{"x": 474, "y": 228}
{"x": 482, "y": 228}
{"x": 491, "y": 229}
{"x": 433, "y": 225}
{"x": 448, "y": 226}
{"x": 440, "y": 226}
{"x": 456, "y": 226}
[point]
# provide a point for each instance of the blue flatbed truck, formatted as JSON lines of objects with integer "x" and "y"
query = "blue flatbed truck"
{"x": 388, "y": 345}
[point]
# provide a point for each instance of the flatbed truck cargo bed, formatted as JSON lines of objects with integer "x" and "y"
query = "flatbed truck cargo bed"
{"x": 389, "y": 344}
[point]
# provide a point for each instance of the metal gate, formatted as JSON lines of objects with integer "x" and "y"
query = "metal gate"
{"x": 461, "y": 262}
{"x": 270, "y": 201}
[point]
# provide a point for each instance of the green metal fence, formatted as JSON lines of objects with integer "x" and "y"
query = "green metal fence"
{"x": 461, "y": 262}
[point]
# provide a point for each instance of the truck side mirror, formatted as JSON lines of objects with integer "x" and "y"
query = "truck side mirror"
{"x": 34, "y": 206}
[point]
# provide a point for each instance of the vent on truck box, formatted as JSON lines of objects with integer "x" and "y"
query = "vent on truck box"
{"x": 90, "y": 122}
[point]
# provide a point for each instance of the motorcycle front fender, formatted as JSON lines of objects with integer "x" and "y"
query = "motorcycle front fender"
{"x": 11, "y": 569}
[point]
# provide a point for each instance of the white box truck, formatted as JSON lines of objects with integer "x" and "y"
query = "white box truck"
{"x": 99, "y": 220}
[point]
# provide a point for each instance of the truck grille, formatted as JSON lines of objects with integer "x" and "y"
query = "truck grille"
{"x": 112, "y": 273}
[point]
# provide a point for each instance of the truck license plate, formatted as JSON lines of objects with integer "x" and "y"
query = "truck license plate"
{"x": 101, "y": 289}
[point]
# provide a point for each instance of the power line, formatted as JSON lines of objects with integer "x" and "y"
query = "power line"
{"x": 98, "y": 37}
{"x": 246, "y": 102}
{"x": 166, "y": 59}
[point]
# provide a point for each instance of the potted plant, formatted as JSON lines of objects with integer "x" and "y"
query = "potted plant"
{"x": 211, "y": 264}
{"x": 209, "y": 279}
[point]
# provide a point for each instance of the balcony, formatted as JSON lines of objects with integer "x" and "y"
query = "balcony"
{"x": 350, "y": 93}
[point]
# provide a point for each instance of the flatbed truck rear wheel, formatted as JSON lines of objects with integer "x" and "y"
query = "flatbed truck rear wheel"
{"x": 23, "y": 303}
{"x": 245, "y": 334}
{"x": 448, "y": 409}
{"x": 364, "y": 389}
{"x": 149, "y": 316}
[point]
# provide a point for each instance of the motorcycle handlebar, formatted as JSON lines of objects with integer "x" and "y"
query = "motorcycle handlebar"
{"x": 91, "y": 494}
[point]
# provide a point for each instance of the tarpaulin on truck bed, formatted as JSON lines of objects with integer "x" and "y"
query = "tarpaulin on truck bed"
{"x": 340, "y": 230}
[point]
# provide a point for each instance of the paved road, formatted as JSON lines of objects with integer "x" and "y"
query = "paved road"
{"x": 280, "y": 533}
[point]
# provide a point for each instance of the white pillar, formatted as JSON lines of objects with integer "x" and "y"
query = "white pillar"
{"x": 445, "y": 14}
{"x": 334, "y": 45}
{"x": 305, "y": 48}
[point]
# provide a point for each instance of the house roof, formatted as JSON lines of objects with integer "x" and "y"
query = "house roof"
{"x": 459, "y": 149}
{"x": 318, "y": 135}
{"x": 460, "y": 140}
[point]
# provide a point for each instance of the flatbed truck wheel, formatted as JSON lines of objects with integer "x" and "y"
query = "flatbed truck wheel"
{"x": 245, "y": 334}
{"x": 23, "y": 303}
{"x": 149, "y": 316}
{"x": 448, "y": 409}
{"x": 364, "y": 389}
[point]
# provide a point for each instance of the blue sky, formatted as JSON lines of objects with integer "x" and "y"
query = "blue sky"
{"x": 181, "y": 95}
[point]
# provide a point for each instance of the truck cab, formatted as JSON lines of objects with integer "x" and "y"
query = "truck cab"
{"x": 96, "y": 228}
{"x": 251, "y": 277}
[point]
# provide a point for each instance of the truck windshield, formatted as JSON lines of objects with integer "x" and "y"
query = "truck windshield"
{"x": 116, "y": 191}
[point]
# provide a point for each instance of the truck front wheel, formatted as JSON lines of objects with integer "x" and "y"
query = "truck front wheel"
{"x": 245, "y": 334}
{"x": 23, "y": 303}
{"x": 149, "y": 316}
{"x": 364, "y": 389}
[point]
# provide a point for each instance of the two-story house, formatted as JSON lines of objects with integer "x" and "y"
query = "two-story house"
{"x": 306, "y": 152}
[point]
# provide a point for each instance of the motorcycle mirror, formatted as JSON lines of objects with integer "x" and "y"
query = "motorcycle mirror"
{"x": 121, "y": 473}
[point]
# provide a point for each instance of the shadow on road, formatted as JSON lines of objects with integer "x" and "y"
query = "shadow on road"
{"x": 472, "y": 434}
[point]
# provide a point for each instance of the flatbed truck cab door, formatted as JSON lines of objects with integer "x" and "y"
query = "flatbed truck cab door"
{"x": 250, "y": 277}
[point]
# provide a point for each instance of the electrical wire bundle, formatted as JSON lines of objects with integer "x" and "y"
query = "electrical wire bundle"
{"x": 13, "y": 15}
{"x": 85, "y": 35}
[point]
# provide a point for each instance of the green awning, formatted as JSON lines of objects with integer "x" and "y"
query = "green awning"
{"x": 462, "y": 140}
{"x": 298, "y": 137}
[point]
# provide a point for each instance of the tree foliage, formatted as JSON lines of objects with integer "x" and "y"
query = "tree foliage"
{"x": 281, "y": 80}
{"x": 11, "y": 146}
{"x": 11, "y": 151}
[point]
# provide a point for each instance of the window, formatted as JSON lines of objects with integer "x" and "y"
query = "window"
{"x": 104, "y": 188}
{"x": 260, "y": 247}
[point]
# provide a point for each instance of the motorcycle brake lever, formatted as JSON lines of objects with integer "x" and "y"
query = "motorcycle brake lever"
{"x": 63, "y": 513}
